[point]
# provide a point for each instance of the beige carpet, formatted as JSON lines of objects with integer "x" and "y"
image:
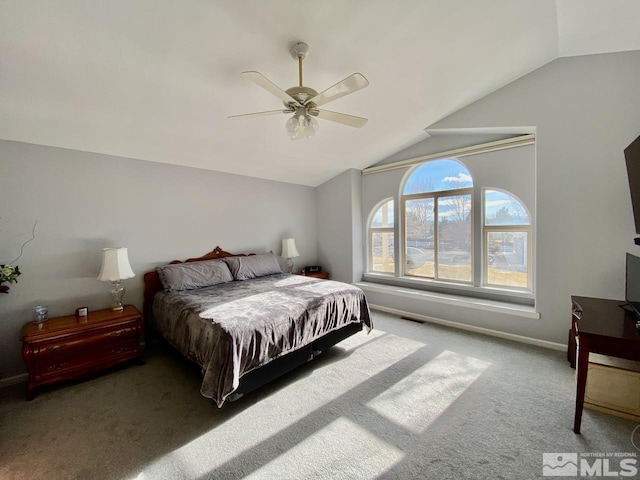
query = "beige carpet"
{"x": 407, "y": 401}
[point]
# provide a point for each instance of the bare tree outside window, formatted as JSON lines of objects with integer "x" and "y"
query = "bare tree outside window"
{"x": 437, "y": 221}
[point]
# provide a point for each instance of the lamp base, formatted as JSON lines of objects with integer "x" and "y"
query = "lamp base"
{"x": 289, "y": 265}
{"x": 117, "y": 292}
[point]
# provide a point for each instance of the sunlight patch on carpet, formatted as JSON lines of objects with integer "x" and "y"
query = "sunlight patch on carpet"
{"x": 340, "y": 450}
{"x": 421, "y": 397}
{"x": 258, "y": 425}
{"x": 360, "y": 338}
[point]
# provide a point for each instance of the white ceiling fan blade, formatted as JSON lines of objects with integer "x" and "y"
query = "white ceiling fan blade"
{"x": 261, "y": 114}
{"x": 268, "y": 85}
{"x": 351, "y": 84}
{"x": 350, "y": 120}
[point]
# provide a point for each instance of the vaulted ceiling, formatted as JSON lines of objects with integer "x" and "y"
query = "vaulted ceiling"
{"x": 156, "y": 79}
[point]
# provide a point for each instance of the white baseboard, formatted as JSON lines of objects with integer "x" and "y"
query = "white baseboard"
{"x": 472, "y": 328}
{"x": 6, "y": 382}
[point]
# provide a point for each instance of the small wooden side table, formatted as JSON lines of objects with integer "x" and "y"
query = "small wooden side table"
{"x": 321, "y": 274}
{"x": 70, "y": 347}
{"x": 600, "y": 326}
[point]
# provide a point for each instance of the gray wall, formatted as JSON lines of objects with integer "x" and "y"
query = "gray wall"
{"x": 586, "y": 111}
{"x": 339, "y": 207}
{"x": 442, "y": 143}
{"x": 84, "y": 202}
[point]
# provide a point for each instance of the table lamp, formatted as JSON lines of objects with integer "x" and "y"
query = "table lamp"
{"x": 289, "y": 251}
{"x": 115, "y": 268}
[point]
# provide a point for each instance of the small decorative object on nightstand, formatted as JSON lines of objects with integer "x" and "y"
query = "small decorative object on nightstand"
{"x": 289, "y": 251}
{"x": 70, "y": 347}
{"x": 40, "y": 314}
{"x": 115, "y": 267}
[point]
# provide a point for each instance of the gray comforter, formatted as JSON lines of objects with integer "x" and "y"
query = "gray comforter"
{"x": 233, "y": 328}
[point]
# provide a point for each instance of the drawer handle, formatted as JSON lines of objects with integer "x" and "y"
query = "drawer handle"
{"x": 116, "y": 351}
{"x": 53, "y": 348}
{"x": 59, "y": 366}
{"x": 117, "y": 333}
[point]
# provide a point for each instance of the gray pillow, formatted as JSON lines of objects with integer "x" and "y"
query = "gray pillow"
{"x": 252, "y": 266}
{"x": 192, "y": 275}
{"x": 281, "y": 261}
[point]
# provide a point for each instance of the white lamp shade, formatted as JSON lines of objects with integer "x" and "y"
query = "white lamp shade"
{"x": 289, "y": 249}
{"x": 115, "y": 265}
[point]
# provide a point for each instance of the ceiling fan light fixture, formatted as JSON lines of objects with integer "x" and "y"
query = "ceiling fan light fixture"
{"x": 310, "y": 126}
{"x": 292, "y": 126}
{"x": 301, "y": 126}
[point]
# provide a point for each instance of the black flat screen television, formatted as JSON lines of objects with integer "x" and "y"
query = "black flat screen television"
{"x": 632, "y": 159}
{"x": 632, "y": 286}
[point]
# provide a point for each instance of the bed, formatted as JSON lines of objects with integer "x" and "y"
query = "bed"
{"x": 244, "y": 322}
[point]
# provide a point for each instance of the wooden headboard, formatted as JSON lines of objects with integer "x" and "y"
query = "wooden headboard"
{"x": 152, "y": 284}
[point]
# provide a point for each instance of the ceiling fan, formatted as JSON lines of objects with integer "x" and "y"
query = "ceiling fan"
{"x": 303, "y": 101}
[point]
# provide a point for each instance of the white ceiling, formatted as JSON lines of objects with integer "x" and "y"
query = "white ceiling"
{"x": 156, "y": 79}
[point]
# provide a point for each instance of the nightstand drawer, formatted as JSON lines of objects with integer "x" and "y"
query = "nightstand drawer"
{"x": 85, "y": 341}
{"x": 91, "y": 356}
{"x": 73, "y": 349}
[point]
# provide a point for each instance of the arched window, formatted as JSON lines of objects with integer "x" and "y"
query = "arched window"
{"x": 437, "y": 221}
{"x": 507, "y": 241}
{"x": 381, "y": 239}
{"x": 463, "y": 225}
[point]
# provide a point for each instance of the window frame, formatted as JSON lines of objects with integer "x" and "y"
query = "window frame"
{"x": 487, "y": 229}
{"x": 374, "y": 230}
{"x": 515, "y": 227}
{"x": 435, "y": 195}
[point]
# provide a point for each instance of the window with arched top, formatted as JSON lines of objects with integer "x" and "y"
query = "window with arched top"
{"x": 507, "y": 241}
{"x": 437, "y": 220}
{"x": 435, "y": 227}
{"x": 381, "y": 238}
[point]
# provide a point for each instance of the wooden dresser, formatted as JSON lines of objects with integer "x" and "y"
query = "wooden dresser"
{"x": 70, "y": 347}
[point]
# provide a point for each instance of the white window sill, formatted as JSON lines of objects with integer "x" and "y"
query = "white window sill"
{"x": 450, "y": 299}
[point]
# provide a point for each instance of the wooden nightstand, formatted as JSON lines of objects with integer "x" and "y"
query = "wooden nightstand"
{"x": 321, "y": 274}
{"x": 70, "y": 347}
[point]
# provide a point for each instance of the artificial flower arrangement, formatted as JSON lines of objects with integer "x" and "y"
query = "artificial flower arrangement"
{"x": 8, "y": 274}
